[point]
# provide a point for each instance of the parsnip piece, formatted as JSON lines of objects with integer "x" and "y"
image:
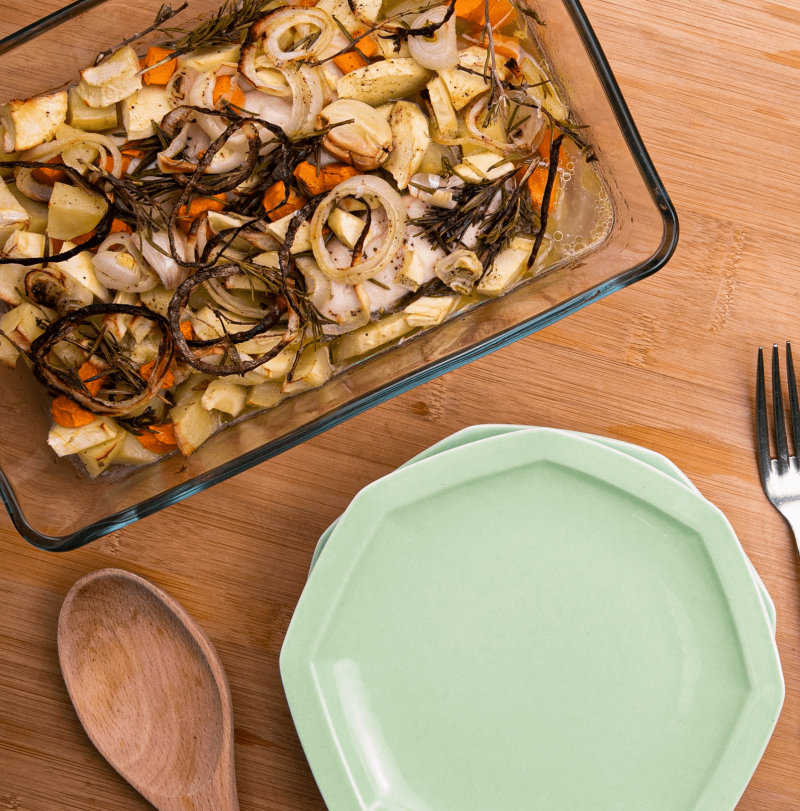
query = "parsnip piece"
{"x": 89, "y": 119}
{"x": 8, "y": 324}
{"x": 157, "y": 299}
{"x": 132, "y": 452}
{"x": 37, "y": 212}
{"x": 193, "y": 424}
{"x": 340, "y": 10}
{"x": 468, "y": 174}
{"x": 73, "y": 212}
{"x": 463, "y": 87}
{"x": 209, "y": 58}
{"x": 81, "y": 269}
{"x": 141, "y": 109}
{"x": 20, "y": 244}
{"x": 265, "y": 395}
{"x": 410, "y": 141}
{"x": 12, "y": 212}
{"x": 509, "y": 265}
{"x": 100, "y": 457}
{"x": 112, "y": 80}
{"x": 434, "y": 158}
{"x": 277, "y": 368}
{"x": 489, "y": 165}
{"x": 412, "y": 274}
{"x": 194, "y": 385}
{"x": 6, "y": 156}
{"x": 312, "y": 370}
{"x": 346, "y": 226}
{"x": 245, "y": 282}
{"x": 258, "y": 346}
{"x": 66, "y": 441}
{"x": 443, "y": 110}
{"x": 32, "y": 122}
{"x": 367, "y": 9}
{"x": 429, "y": 311}
{"x": 268, "y": 259}
{"x": 373, "y": 335}
{"x": 207, "y": 325}
{"x": 388, "y": 49}
{"x": 302, "y": 240}
{"x": 223, "y": 395}
{"x": 380, "y": 82}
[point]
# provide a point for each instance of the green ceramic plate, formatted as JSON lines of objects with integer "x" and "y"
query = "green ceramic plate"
{"x": 475, "y": 433}
{"x": 534, "y": 622}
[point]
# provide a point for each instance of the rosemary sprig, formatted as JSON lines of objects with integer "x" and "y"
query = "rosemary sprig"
{"x": 227, "y": 26}
{"x": 137, "y": 424}
{"x": 555, "y": 149}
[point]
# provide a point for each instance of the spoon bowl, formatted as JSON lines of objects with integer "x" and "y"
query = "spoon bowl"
{"x": 149, "y": 690}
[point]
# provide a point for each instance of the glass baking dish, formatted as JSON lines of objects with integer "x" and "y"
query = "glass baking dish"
{"x": 56, "y": 506}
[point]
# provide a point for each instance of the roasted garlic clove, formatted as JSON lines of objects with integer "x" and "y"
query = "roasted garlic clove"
{"x": 459, "y": 270}
{"x": 365, "y": 142}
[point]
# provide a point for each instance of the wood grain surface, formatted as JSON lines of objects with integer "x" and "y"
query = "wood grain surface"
{"x": 668, "y": 363}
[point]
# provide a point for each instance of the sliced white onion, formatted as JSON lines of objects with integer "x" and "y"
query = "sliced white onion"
{"x": 31, "y": 187}
{"x": 122, "y": 269}
{"x": 280, "y": 22}
{"x": 439, "y": 51}
{"x": 479, "y": 135}
{"x": 104, "y": 145}
{"x": 168, "y": 270}
{"x": 180, "y": 86}
{"x": 375, "y": 192}
{"x": 233, "y": 303}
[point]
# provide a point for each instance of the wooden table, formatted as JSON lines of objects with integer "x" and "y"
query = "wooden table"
{"x": 668, "y": 363}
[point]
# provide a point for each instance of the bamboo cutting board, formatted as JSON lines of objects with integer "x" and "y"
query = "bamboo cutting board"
{"x": 668, "y": 363}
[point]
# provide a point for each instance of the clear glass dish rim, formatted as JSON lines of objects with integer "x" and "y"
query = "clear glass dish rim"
{"x": 669, "y": 240}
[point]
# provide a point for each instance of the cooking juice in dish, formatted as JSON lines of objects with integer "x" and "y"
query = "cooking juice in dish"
{"x": 200, "y": 229}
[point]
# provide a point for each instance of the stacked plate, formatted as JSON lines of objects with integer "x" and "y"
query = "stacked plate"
{"x": 524, "y": 618}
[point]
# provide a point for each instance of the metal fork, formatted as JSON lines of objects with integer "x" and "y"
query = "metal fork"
{"x": 780, "y": 477}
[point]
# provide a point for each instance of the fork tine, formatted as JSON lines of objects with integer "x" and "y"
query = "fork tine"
{"x": 777, "y": 406}
{"x": 795, "y": 408}
{"x": 762, "y": 430}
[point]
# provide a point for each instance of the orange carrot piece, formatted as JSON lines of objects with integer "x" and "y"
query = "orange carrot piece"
{"x": 50, "y": 176}
{"x": 147, "y": 370}
{"x": 84, "y": 237}
{"x": 328, "y": 178}
{"x": 349, "y": 61}
{"x": 163, "y": 73}
{"x": 501, "y": 12}
{"x": 200, "y": 204}
{"x": 187, "y": 331}
{"x": 275, "y": 195}
{"x": 367, "y": 45}
{"x": 159, "y": 438}
{"x": 224, "y": 88}
{"x": 87, "y": 370}
{"x": 69, "y": 414}
{"x": 118, "y": 226}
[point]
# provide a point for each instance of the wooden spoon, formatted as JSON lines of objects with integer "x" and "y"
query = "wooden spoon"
{"x": 149, "y": 690}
